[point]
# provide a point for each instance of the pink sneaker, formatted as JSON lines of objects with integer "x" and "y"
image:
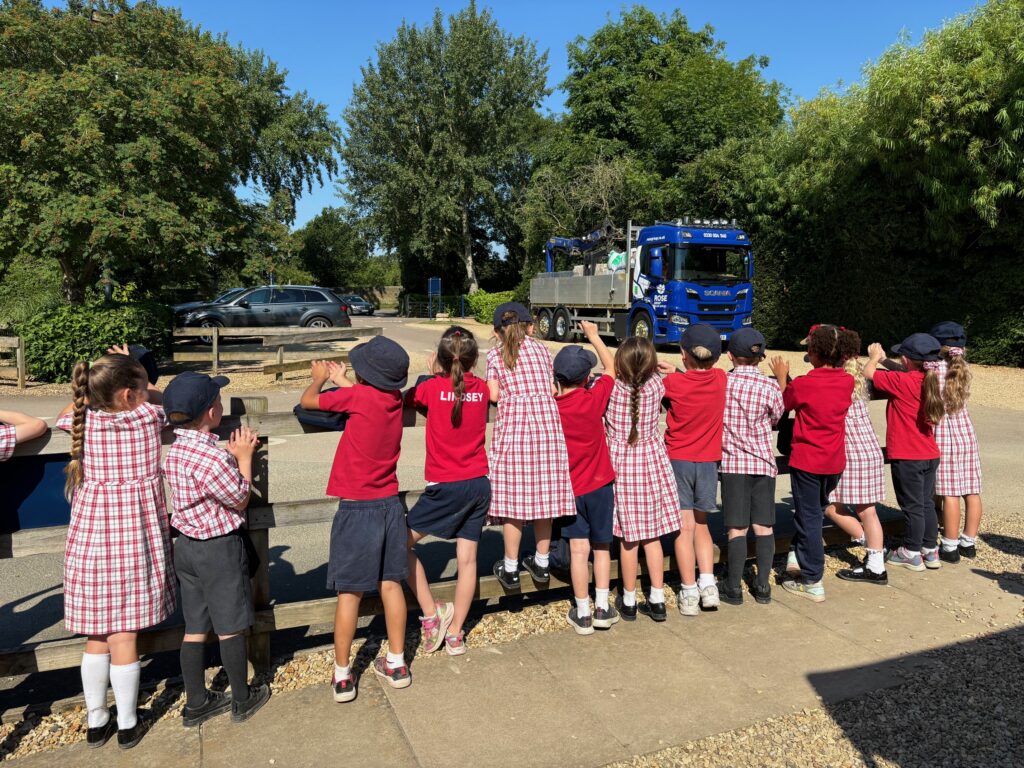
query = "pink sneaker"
{"x": 455, "y": 644}
{"x": 434, "y": 628}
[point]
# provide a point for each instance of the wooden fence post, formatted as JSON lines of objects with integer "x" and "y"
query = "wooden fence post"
{"x": 19, "y": 361}
{"x": 259, "y": 642}
{"x": 215, "y": 348}
{"x": 279, "y": 376}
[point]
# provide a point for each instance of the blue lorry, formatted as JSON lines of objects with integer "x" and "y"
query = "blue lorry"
{"x": 650, "y": 281}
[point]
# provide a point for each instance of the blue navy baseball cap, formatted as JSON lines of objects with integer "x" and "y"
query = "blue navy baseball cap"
{"x": 949, "y": 334}
{"x": 522, "y": 314}
{"x": 747, "y": 342}
{"x": 572, "y": 364}
{"x": 701, "y": 335}
{"x": 381, "y": 363}
{"x": 192, "y": 394}
{"x": 146, "y": 360}
{"x": 918, "y": 346}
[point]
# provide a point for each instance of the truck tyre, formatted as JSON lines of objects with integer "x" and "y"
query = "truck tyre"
{"x": 642, "y": 326}
{"x": 561, "y": 325}
{"x": 542, "y": 328}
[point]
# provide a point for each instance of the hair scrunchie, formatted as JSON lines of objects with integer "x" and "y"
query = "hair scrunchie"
{"x": 955, "y": 351}
{"x": 933, "y": 365}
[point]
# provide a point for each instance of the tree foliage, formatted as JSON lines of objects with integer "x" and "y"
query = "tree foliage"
{"x": 336, "y": 253}
{"x": 127, "y": 132}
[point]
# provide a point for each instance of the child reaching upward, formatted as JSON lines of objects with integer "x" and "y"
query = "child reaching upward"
{"x": 529, "y": 464}
{"x": 646, "y": 501}
{"x": 959, "y": 473}
{"x": 458, "y": 494}
{"x": 17, "y": 428}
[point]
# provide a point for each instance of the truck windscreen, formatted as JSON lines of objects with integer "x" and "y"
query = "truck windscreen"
{"x": 703, "y": 263}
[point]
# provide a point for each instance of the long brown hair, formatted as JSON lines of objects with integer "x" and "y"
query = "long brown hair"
{"x": 931, "y": 397}
{"x": 957, "y": 390}
{"x": 635, "y": 362}
{"x": 512, "y": 336}
{"x": 457, "y": 353}
{"x": 97, "y": 385}
{"x": 849, "y": 349}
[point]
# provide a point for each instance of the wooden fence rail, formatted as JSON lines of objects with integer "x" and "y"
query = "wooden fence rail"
{"x": 14, "y": 345}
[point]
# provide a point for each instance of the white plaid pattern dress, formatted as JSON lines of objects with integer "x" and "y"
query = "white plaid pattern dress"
{"x": 206, "y": 486}
{"x": 753, "y": 403}
{"x": 8, "y": 436}
{"x": 529, "y": 466}
{"x": 959, "y": 472}
{"x": 646, "y": 499}
{"x": 118, "y": 574}
{"x": 863, "y": 480}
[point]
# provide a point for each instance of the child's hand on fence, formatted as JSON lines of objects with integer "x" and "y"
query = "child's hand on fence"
{"x": 780, "y": 368}
{"x": 243, "y": 442}
{"x": 320, "y": 371}
{"x": 876, "y": 353}
{"x": 666, "y": 368}
{"x": 338, "y": 373}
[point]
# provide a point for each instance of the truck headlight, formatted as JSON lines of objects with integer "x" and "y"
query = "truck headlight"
{"x": 748, "y": 320}
{"x": 679, "y": 320}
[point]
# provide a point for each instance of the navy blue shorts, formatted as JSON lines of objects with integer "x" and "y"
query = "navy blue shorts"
{"x": 594, "y": 514}
{"x": 453, "y": 510}
{"x": 369, "y": 544}
{"x": 697, "y": 484}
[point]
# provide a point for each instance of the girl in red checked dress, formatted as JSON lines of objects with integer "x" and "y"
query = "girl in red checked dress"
{"x": 646, "y": 499}
{"x": 959, "y": 473}
{"x": 118, "y": 577}
{"x": 529, "y": 462}
{"x": 455, "y": 502}
{"x": 17, "y": 428}
{"x": 862, "y": 484}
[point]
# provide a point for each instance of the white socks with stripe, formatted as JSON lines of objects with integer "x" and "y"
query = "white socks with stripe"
{"x": 95, "y": 680}
{"x": 949, "y": 545}
{"x": 395, "y": 660}
{"x": 124, "y": 679}
{"x": 601, "y": 598}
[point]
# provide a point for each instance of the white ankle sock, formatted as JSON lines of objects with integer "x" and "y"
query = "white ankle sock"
{"x": 705, "y": 580}
{"x": 857, "y": 540}
{"x": 582, "y": 606}
{"x": 690, "y": 589}
{"x": 601, "y": 598}
{"x": 511, "y": 565}
{"x": 541, "y": 559}
{"x": 967, "y": 541}
{"x": 340, "y": 673}
{"x": 95, "y": 680}
{"x": 875, "y": 563}
{"x": 928, "y": 550}
{"x": 395, "y": 660}
{"x": 656, "y": 595}
{"x": 629, "y": 597}
{"x": 124, "y": 679}
{"x": 948, "y": 545}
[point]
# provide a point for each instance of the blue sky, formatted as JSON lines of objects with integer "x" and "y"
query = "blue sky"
{"x": 812, "y": 44}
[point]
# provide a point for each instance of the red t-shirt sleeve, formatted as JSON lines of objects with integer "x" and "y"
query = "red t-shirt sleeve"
{"x": 340, "y": 400}
{"x": 419, "y": 396}
{"x": 791, "y": 399}
{"x": 601, "y": 392}
{"x": 886, "y": 382}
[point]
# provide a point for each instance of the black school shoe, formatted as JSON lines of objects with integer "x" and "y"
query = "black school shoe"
{"x": 949, "y": 557}
{"x": 540, "y": 574}
{"x": 129, "y": 737}
{"x": 864, "y": 575}
{"x": 729, "y": 595}
{"x": 510, "y": 581}
{"x": 627, "y": 612}
{"x": 605, "y": 617}
{"x": 762, "y": 593}
{"x": 969, "y": 551}
{"x": 97, "y": 737}
{"x": 216, "y": 702}
{"x": 243, "y": 710}
{"x": 655, "y": 610}
{"x": 583, "y": 625}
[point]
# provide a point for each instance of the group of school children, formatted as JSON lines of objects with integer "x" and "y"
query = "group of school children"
{"x": 581, "y": 457}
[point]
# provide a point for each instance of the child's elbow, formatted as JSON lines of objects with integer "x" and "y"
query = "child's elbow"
{"x": 310, "y": 402}
{"x": 39, "y": 428}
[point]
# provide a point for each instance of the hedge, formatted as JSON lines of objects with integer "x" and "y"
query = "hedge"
{"x": 482, "y": 304}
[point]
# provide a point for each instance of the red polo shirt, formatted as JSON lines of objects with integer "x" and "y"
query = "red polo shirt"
{"x": 582, "y": 414}
{"x": 453, "y": 453}
{"x": 908, "y": 434}
{"x": 821, "y": 400}
{"x": 696, "y": 408}
{"x": 367, "y": 457}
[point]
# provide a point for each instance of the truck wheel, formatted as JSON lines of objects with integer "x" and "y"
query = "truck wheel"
{"x": 561, "y": 326}
{"x": 641, "y": 326}
{"x": 542, "y": 328}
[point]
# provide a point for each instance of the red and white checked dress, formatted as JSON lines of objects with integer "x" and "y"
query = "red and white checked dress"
{"x": 529, "y": 464}
{"x": 863, "y": 480}
{"x": 646, "y": 499}
{"x": 8, "y": 438}
{"x": 118, "y": 573}
{"x": 959, "y": 471}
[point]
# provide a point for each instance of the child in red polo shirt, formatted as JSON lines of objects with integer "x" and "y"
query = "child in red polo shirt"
{"x": 820, "y": 400}
{"x": 458, "y": 494}
{"x": 369, "y": 536}
{"x": 914, "y": 408}
{"x": 581, "y": 409}
{"x": 696, "y": 404}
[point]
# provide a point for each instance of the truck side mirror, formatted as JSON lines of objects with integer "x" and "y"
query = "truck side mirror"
{"x": 655, "y": 263}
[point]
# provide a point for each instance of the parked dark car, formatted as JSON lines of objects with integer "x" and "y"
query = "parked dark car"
{"x": 271, "y": 306}
{"x": 226, "y": 296}
{"x": 357, "y": 305}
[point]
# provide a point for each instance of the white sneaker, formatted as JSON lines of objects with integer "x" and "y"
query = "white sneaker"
{"x": 689, "y": 604}
{"x": 709, "y": 597}
{"x": 792, "y": 566}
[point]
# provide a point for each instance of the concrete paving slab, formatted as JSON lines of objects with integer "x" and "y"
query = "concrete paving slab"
{"x": 969, "y": 592}
{"x": 506, "y": 708}
{"x": 307, "y": 729}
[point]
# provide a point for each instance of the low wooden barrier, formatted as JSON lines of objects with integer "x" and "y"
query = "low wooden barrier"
{"x": 271, "y": 339}
{"x": 15, "y": 346}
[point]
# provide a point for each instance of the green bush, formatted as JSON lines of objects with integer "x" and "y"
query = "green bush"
{"x": 59, "y": 338}
{"x": 482, "y": 304}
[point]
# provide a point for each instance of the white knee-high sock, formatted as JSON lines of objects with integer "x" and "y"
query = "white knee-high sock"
{"x": 95, "y": 680}
{"x": 124, "y": 679}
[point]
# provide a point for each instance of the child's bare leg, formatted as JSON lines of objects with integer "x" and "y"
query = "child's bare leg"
{"x": 874, "y": 538}
{"x": 972, "y": 516}
{"x": 465, "y": 584}
{"x": 542, "y": 533}
{"x": 703, "y": 545}
{"x": 345, "y": 616}
{"x": 417, "y": 579}
{"x": 395, "y": 610}
{"x": 579, "y": 550}
{"x": 685, "y": 554}
{"x": 654, "y": 557}
{"x": 602, "y": 566}
{"x": 846, "y": 522}
{"x": 629, "y": 563}
{"x": 512, "y": 530}
{"x": 951, "y": 517}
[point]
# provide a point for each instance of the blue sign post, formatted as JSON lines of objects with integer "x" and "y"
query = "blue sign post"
{"x": 433, "y": 291}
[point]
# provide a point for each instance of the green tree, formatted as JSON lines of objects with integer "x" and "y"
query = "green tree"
{"x": 332, "y": 249}
{"x": 127, "y": 132}
{"x": 437, "y": 131}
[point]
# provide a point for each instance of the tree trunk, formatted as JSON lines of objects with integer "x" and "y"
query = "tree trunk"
{"x": 467, "y": 256}
{"x": 73, "y": 282}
